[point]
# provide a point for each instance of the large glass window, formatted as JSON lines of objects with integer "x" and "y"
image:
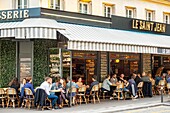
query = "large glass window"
{"x": 22, "y": 4}
{"x": 124, "y": 63}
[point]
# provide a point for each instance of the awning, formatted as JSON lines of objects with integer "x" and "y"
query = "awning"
{"x": 32, "y": 28}
{"x": 103, "y": 39}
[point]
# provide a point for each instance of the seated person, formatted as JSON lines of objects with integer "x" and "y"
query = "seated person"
{"x": 27, "y": 85}
{"x": 145, "y": 78}
{"x": 46, "y": 85}
{"x": 113, "y": 79}
{"x": 68, "y": 86}
{"x": 79, "y": 82}
{"x": 95, "y": 82}
{"x": 138, "y": 79}
{"x": 168, "y": 80}
{"x": 122, "y": 80}
{"x": 106, "y": 86}
{"x": 157, "y": 79}
{"x": 14, "y": 84}
{"x": 132, "y": 86}
{"x": 58, "y": 86}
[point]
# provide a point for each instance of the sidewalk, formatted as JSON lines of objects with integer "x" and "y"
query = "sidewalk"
{"x": 106, "y": 106}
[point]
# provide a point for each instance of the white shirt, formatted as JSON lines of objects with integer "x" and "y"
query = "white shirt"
{"x": 46, "y": 86}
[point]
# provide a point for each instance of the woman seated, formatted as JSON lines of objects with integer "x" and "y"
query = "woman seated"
{"x": 27, "y": 85}
{"x": 58, "y": 85}
{"x": 14, "y": 84}
{"x": 79, "y": 82}
{"x": 145, "y": 78}
{"x": 106, "y": 86}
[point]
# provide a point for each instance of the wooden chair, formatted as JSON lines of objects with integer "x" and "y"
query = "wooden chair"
{"x": 140, "y": 86}
{"x": 2, "y": 96}
{"x": 12, "y": 97}
{"x": 94, "y": 93}
{"x": 168, "y": 88}
{"x": 161, "y": 84}
{"x": 29, "y": 98}
{"x": 119, "y": 91}
{"x": 74, "y": 98}
{"x": 82, "y": 94}
{"x": 153, "y": 87}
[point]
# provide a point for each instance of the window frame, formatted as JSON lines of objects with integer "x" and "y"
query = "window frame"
{"x": 133, "y": 12}
{"x": 152, "y": 15}
{"x": 55, "y": 4}
{"x": 164, "y": 18}
{"x": 22, "y": 5}
{"x": 81, "y": 8}
{"x": 105, "y": 10}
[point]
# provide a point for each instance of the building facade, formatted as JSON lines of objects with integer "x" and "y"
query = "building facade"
{"x": 89, "y": 37}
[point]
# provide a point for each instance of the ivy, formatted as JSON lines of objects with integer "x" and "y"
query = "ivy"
{"x": 7, "y": 62}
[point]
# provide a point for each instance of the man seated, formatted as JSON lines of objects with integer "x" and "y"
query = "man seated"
{"x": 95, "y": 82}
{"x": 46, "y": 85}
{"x": 132, "y": 86}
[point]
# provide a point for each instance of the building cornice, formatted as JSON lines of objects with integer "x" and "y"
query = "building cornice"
{"x": 164, "y": 2}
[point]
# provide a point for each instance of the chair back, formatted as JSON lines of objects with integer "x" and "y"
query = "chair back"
{"x": 100, "y": 85}
{"x": 73, "y": 90}
{"x": 82, "y": 89}
{"x": 2, "y": 92}
{"x": 120, "y": 86}
{"x": 140, "y": 85}
{"x": 28, "y": 92}
{"x": 95, "y": 88}
{"x": 11, "y": 91}
{"x": 162, "y": 82}
{"x": 153, "y": 82}
{"x": 168, "y": 85}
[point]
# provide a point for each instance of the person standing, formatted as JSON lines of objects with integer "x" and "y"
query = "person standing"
{"x": 46, "y": 85}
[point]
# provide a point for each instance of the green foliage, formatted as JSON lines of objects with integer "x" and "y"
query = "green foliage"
{"x": 41, "y": 60}
{"x": 7, "y": 62}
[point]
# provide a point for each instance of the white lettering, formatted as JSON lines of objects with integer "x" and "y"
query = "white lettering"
{"x": 3, "y": 15}
{"x": 26, "y": 13}
{"x": 21, "y": 14}
{"x": 15, "y": 15}
{"x": 9, "y": 15}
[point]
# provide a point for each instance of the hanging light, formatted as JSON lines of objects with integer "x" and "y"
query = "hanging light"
{"x": 117, "y": 60}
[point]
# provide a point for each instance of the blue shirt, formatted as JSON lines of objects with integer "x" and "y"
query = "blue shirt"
{"x": 168, "y": 80}
{"x": 27, "y": 85}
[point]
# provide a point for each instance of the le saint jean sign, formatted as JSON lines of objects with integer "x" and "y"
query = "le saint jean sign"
{"x": 148, "y": 26}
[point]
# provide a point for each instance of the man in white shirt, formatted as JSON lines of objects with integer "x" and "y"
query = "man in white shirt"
{"x": 46, "y": 85}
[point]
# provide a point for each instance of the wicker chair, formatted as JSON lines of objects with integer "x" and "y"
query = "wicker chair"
{"x": 168, "y": 88}
{"x": 119, "y": 91}
{"x": 2, "y": 96}
{"x": 29, "y": 98}
{"x": 94, "y": 93}
{"x": 153, "y": 87}
{"x": 82, "y": 94}
{"x": 140, "y": 86}
{"x": 12, "y": 97}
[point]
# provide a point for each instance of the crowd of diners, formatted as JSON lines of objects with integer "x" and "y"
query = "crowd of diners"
{"x": 63, "y": 85}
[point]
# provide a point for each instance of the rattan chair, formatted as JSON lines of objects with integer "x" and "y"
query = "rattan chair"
{"x": 119, "y": 91}
{"x": 29, "y": 98}
{"x": 12, "y": 97}
{"x": 82, "y": 94}
{"x": 2, "y": 96}
{"x": 153, "y": 87}
{"x": 94, "y": 93}
{"x": 168, "y": 88}
{"x": 140, "y": 87}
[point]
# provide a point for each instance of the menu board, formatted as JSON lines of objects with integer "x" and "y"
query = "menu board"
{"x": 103, "y": 65}
{"x": 25, "y": 69}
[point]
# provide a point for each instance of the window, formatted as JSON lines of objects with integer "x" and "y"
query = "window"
{"x": 150, "y": 15}
{"x": 130, "y": 12}
{"x": 84, "y": 7}
{"x": 166, "y": 17}
{"x": 22, "y": 4}
{"x": 55, "y": 4}
{"x": 108, "y": 10}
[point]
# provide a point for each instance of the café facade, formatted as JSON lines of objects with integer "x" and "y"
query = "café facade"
{"x": 41, "y": 42}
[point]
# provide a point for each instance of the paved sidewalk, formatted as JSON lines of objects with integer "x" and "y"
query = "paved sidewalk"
{"x": 106, "y": 106}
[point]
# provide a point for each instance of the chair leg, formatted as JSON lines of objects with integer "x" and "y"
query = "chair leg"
{"x": 98, "y": 98}
{"x": 85, "y": 99}
{"x": 3, "y": 103}
{"x": 8, "y": 103}
{"x": 13, "y": 102}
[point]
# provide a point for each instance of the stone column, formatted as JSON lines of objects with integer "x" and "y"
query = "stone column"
{"x": 103, "y": 65}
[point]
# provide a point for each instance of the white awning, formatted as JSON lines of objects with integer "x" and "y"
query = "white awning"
{"x": 103, "y": 39}
{"x": 32, "y": 28}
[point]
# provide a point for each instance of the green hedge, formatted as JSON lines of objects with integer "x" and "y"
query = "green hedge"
{"x": 7, "y": 62}
{"x": 41, "y": 59}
